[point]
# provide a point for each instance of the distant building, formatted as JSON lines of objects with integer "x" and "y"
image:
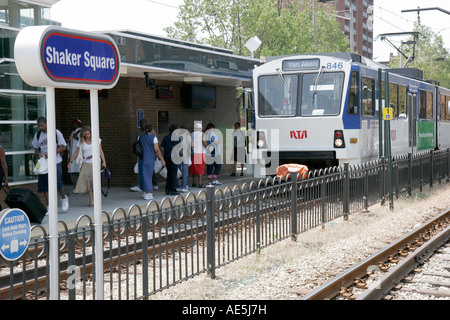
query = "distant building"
{"x": 361, "y": 12}
{"x": 163, "y": 80}
{"x": 20, "y": 104}
{"x": 356, "y": 20}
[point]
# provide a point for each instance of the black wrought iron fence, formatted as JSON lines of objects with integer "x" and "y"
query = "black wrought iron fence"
{"x": 148, "y": 249}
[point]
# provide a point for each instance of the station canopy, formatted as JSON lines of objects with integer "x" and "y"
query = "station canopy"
{"x": 174, "y": 60}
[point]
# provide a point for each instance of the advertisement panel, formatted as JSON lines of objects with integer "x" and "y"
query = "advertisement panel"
{"x": 425, "y": 135}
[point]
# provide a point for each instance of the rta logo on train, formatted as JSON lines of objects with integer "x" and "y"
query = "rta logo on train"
{"x": 299, "y": 134}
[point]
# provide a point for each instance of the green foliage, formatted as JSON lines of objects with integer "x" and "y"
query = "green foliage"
{"x": 284, "y": 27}
{"x": 431, "y": 56}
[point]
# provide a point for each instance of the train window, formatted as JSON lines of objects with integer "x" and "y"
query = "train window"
{"x": 422, "y": 105}
{"x": 443, "y": 107}
{"x": 277, "y": 95}
{"x": 321, "y": 93}
{"x": 393, "y": 97}
{"x": 448, "y": 108}
{"x": 353, "y": 98}
{"x": 402, "y": 95}
{"x": 429, "y": 105}
{"x": 425, "y": 105}
{"x": 368, "y": 97}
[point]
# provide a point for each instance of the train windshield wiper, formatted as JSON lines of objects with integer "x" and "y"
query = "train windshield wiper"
{"x": 281, "y": 76}
{"x": 317, "y": 83}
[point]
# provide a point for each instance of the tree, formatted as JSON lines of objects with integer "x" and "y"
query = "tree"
{"x": 284, "y": 27}
{"x": 431, "y": 56}
{"x": 217, "y": 23}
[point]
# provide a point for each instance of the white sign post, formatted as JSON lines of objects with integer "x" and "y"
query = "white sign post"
{"x": 55, "y": 57}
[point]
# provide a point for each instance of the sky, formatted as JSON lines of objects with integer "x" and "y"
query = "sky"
{"x": 152, "y": 17}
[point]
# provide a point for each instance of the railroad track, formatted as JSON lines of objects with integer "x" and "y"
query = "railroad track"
{"x": 389, "y": 273}
{"x": 35, "y": 279}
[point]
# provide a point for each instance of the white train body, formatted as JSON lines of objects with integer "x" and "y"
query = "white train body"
{"x": 322, "y": 110}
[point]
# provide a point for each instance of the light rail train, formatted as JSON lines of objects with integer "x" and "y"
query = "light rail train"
{"x": 323, "y": 110}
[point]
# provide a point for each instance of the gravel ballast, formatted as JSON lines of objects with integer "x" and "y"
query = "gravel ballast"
{"x": 289, "y": 269}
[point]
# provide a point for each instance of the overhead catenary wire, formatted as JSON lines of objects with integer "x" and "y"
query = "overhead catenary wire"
{"x": 164, "y": 4}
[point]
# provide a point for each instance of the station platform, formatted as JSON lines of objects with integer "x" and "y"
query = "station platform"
{"x": 124, "y": 198}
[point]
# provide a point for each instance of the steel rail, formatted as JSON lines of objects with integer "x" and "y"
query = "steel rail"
{"x": 115, "y": 255}
{"x": 331, "y": 288}
{"x": 382, "y": 286}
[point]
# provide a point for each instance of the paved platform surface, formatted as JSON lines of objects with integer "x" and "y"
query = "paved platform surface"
{"x": 124, "y": 198}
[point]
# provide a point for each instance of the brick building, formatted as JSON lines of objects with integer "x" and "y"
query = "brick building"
{"x": 158, "y": 76}
{"x": 356, "y": 20}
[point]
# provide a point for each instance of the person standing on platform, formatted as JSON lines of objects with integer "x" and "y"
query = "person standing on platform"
{"x": 185, "y": 153}
{"x": 146, "y": 164}
{"x": 213, "y": 156}
{"x": 197, "y": 168}
{"x": 41, "y": 149}
{"x": 83, "y": 154}
{"x": 137, "y": 188}
{"x": 169, "y": 141}
{"x": 74, "y": 139}
{"x": 238, "y": 148}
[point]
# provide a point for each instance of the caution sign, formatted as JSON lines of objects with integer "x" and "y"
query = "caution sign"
{"x": 14, "y": 234}
{"x": 388, "y": 113}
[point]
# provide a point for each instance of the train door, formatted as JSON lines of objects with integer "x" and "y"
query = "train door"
{"x": 412, "y": 114}
{"x": 249, "y": 124}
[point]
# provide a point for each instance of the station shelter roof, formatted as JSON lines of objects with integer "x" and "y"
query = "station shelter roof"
{"x": 175, "y": 60}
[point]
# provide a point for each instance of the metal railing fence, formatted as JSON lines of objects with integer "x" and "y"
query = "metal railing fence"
{"x": 147, "y": 250}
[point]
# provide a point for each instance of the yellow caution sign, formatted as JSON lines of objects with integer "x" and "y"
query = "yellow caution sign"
{"x": 388, "y": 113}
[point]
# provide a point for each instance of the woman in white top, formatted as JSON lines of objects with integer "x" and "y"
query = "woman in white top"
{"x": 238, "y": 148}
{"x": 85, "y": 181}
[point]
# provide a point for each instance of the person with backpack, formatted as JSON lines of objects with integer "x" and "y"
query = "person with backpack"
{"x": 41, "y": 149}
{"x": 74, "y": 139}
{"x": 146, "y": 164}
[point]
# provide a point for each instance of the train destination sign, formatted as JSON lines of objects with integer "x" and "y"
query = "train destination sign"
{"x": 14, "y": 234}
{"x": 301, "y": 64}
{"x": 59, "y": 57}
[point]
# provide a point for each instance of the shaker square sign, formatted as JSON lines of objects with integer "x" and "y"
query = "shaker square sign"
{"x": 14, "y": 234}
{"x": 60, "y": 57}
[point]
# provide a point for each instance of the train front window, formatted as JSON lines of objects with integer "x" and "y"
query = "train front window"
{"x": 321, "y": 93}
{"x": 277, "y": 95}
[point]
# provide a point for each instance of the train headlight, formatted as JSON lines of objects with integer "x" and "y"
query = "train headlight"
{"x": 261, "y": 142}
{"x": 338, "y": 143}
{"x": 339, "y": 139}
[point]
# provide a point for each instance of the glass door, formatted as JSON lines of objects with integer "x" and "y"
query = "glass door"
{"x": 412, "y": 110}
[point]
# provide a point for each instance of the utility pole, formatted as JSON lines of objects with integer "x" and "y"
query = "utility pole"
{"x": 425, "y": 9}
{"x": 315, "y": 20}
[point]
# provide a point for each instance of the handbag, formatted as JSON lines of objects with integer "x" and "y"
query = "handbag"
{"x": 41, "y": 166}
{"x": 106, "y": 180}
{"x": 79, "y": 159}
{"x": 158, "y": 166}
{"x": 163, "y": 170}
{"x": 137, "y": 148}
